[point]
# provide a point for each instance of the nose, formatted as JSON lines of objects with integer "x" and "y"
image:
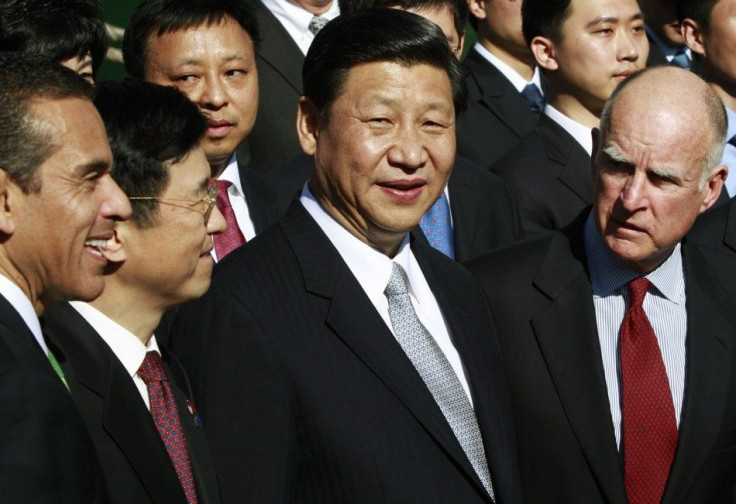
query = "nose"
{"x": 409, "y": 151}
{"x": 628, "y": 49}
{"x": 115, "y": 204}
{"x": 634, "y": 192}
{"x": 216, "y": 224}
{"x": 213, "y": 95}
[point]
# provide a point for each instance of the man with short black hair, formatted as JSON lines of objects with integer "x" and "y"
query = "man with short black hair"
{"x": 147, "y": 432}
{"x": 352, "y": 363}
{"x": 585, "y": 48}
{"x": 59, "y": 207}
{"x": 206, "y": 49}
{"x": 666, "y": 45}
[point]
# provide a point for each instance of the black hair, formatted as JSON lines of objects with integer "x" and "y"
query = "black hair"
{"x": 376, "y": 35}
{"x": 697, "y": 10}
{"x": 148, "y": 126}
{"x": 544, "y": 18}
{"x": 458, "y": 8}
{"x": 55, "y": 29}
{"x": 158, "y": 17}
{"x": 24, "y": 143}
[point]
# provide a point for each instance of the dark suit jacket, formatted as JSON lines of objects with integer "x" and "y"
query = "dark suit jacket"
{"x": 308, "y": 397}
{"x": 266, "y": 200}
{"x": 46, "y": 455}
{"x": 134, "y": 460}
{"x": 497, "y": 117}
{"x": 542, "y": 301}
{"x": 484, "y": 214}
{"x": 549, "y": 176}
{"x": 279, "y": 60}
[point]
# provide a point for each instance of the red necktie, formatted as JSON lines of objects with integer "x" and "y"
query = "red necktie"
{"x": 231, "y": 238}
{"x": 648, "y": 415}
{"x": 166, "y": 417}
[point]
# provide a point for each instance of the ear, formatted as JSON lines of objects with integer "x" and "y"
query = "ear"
{"x": 307, "y": 125}
{"x": 596, "y": 134}
{"x": 714, "y": 187}
{"x": 461, "y": 45}
{"x": 693, "y": 36}
{"x": 543, "y": 50}
{"x": 114, "y": 250}
{"x": 9, "y": 196}
{"x": 477, "y": 8}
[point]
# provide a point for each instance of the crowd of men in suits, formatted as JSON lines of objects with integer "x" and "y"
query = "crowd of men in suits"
{"x": 307, "y": 253}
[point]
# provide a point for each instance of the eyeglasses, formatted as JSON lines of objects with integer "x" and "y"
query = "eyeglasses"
{"x": 208, "y": 200}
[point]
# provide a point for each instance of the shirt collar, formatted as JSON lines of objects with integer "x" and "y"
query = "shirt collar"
{"x": 731, "y": 116}
{"x": 232, "y": 174}
{"x": 129, "y": 350}
{"x": 512, "y": 75}
{"x": 18, "y": 299}
{"x": 582, "y": 134}
{"x": 609, "y": 273}
{"x": 297, "y": 16}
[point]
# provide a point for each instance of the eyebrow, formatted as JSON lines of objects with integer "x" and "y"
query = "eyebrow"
{"x": 228, "y": 59}
{"x": 661, "y": 171}
{"x": 612, "y": 19}
{"x": 615, "y": 155}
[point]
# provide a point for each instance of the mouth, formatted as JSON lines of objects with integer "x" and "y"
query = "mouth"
{"x": 623, "y": 75}
{"x": 95, "y": 246}
{"x": 405, "y": 191}
{"x": 218, "y": 129}
{"x": 625, "y": 226}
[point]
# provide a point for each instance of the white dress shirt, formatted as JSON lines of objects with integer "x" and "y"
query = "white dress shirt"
{"x": 237, "y": 201}
{"x": 729, "y": 154}
{"x": 512, "y": 75}
{"x": 129, "y": 350}
{"x": 18, "y": 299}
{"x": 296, "y": 20}
{"x": 372, "y": 269}
{"x": 582, "y": 134}
{"x": 664, "y": 305}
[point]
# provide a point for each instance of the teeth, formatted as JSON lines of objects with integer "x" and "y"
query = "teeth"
{"x": 96, "y": 243}
{"x": 96, "y": 252}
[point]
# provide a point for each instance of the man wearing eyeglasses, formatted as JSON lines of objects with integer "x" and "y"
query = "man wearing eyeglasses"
{"x": 147, "y": 433}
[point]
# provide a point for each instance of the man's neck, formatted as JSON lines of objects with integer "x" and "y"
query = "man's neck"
{"x": 8, "y": 270}
{"x": 129, "y": 309}
{"x": 315, "y": 7}
{"x": 522, "y": 62}
{"x": 217, "y": 166}
{"x": 574, "y": 109}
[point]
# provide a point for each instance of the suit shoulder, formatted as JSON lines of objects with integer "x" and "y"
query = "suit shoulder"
{"x": 516, "y": 262}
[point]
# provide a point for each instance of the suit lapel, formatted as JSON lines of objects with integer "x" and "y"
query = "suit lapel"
{"x": 710, "y": 340}
{"x": 566, "y": 331}
{"x": 565, "y": 151}
{"x": 363, "y": 330}
{"x": 281, "y": 52}
{"x": 500, "y": 96}
{"x": 125, "y": 417}
{"x": 463, "y": 202}
{"x": 260, "y": 198}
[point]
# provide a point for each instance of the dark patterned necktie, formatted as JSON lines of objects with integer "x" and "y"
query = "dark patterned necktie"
{"x": 317, "y": 23}
{"x": 534, "y": 98}
{"x": 232, "y": 237}
{"x": 166, "y": 417}
{"x": 648, "y": 414}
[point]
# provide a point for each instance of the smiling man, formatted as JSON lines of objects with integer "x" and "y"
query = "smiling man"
{"x": 206, "y": 49}
{"x": 151, "y": 449}
{"x": 585, "y": 48}
{"x": 337, "y": 358}
{"x": 619, "y": 336}
{"x": 59, "y": 206}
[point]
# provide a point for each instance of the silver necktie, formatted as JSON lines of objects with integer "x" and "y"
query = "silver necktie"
{"x": 437, "y": 373}
{"x": 317, "y": 23}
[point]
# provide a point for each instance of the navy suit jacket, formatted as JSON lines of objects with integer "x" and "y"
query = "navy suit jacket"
{"x": 308, "y": 397}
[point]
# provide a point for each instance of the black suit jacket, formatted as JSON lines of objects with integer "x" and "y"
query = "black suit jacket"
{"x": 484, "y": 215}
{"x": 549, "y": 176}
{"x": 542, "y": 301}
{"x": 497, "y": 117}
{"x": 46, "y": 455}
{"x": 279, "y": 60}
{"x": 134, "y": 460}
{"x": 308, "y": 397}
{"x": 266, "y": 200}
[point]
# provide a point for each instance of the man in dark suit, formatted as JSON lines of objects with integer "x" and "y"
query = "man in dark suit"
{"x": 59, "y": 207}
{"x": 300, "y": 357}
{"x": 159, "y": 259}
{"x": 483, "y": 213}
{"x": 502, "y": 73}
{"x": 618, "y": 401}
{"x": 585, "y": 47}
{"x": 666, "y": 45}
{"x": 206, "y": 49}
{"x": 286, "y": 29}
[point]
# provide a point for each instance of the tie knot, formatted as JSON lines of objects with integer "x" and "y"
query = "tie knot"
{"x": 533, "y": 97}
{"x": 316, "y": 24}
{"x": 222, "y": 187}
{"x": 152, "y": 368}
{"x": 397, "y": 284}
{"x": 637, "y": 290}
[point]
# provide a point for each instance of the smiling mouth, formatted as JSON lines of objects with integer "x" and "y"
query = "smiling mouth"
{"x": 96, "y": 246}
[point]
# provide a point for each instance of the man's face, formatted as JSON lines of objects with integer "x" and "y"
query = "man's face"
{"x": 170, "y": 262}
{"x": 602, "y": 43}
{"x": 59, "y": 231}
{"x": 384, "y": 155}
{"x": 81, "y": 65}
{"x": 662, "y": 20}
{"x": 502, "y": 20}
{"x": 647, "y": 174}
{"x": 443, "y": 18}
{"x": 719, "y": 45}
{"x": 214, "y": 65}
